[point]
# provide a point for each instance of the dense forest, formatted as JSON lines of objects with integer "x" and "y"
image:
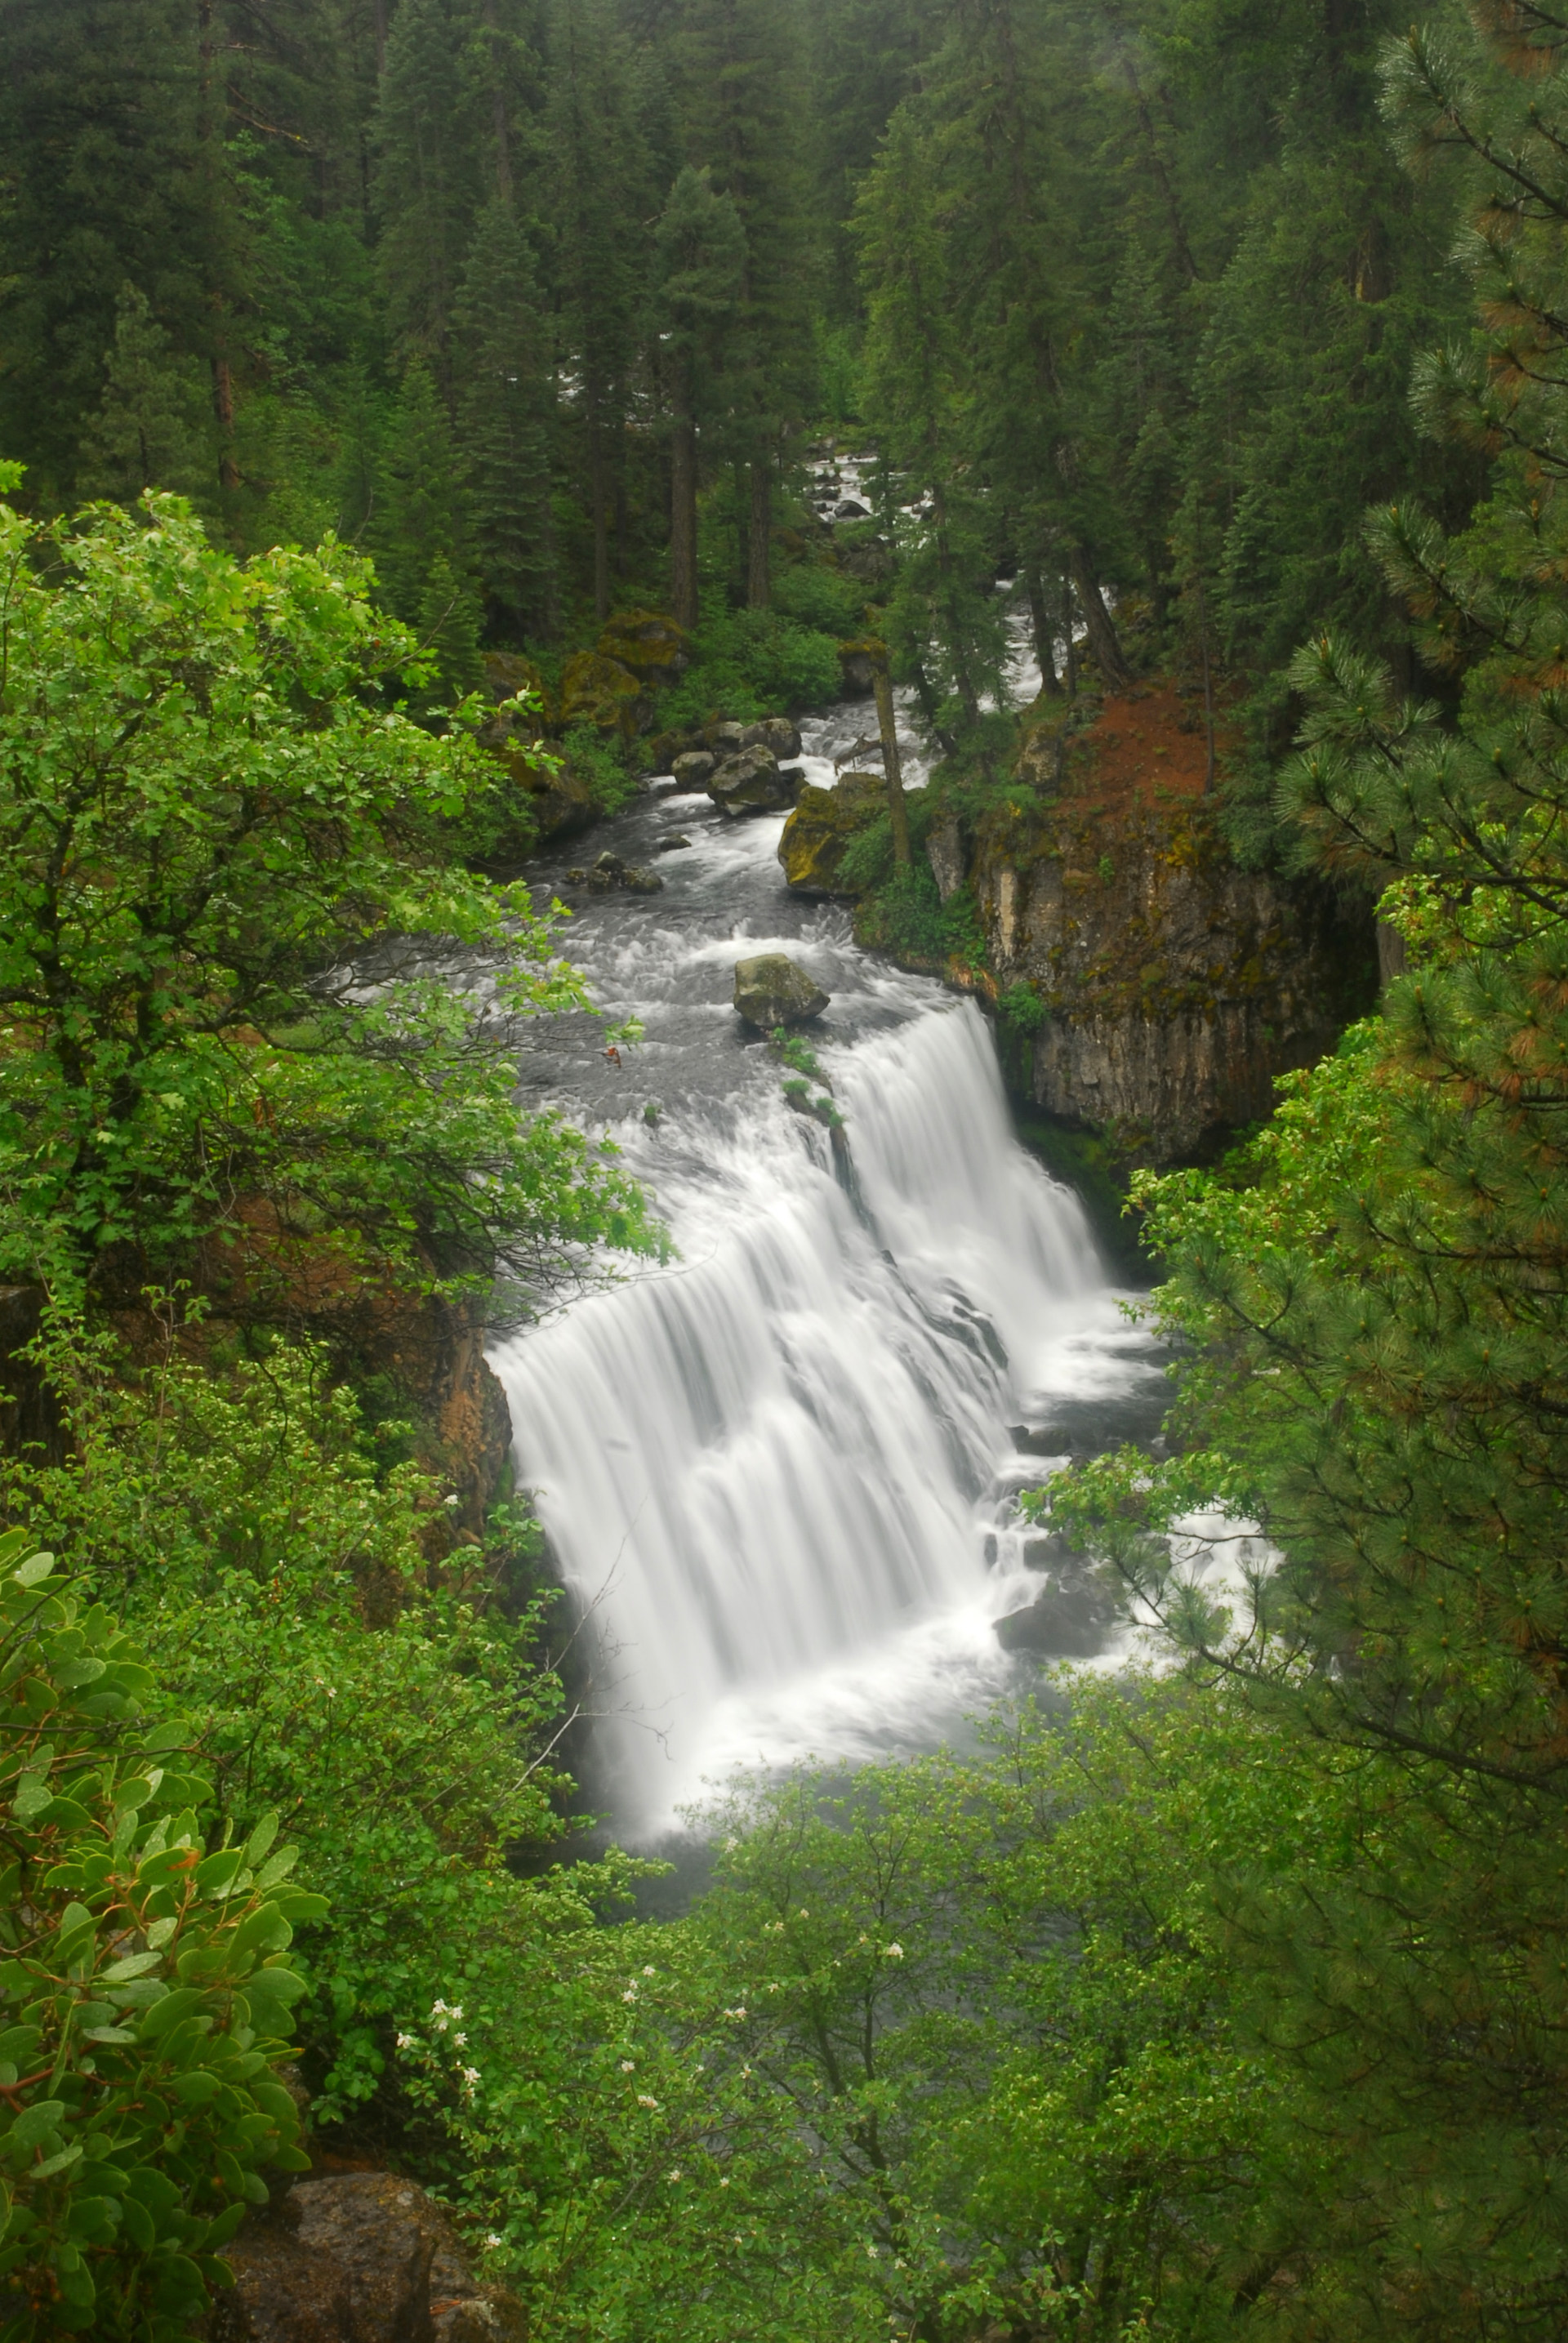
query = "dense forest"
{"x": 365, "y": 364}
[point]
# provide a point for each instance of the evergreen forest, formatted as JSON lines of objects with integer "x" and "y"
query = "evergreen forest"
{"x": 412, "y": 415}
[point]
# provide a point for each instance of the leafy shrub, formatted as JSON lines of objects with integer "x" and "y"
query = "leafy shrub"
{"x": 748, "y": 663}
{"x": 597, "y": 757}
{"x": 815, "y": 595}
{"x": 319, "y": 1661}
{"x": 148, "y": 1983}
{"x": 1022, "y": 1007}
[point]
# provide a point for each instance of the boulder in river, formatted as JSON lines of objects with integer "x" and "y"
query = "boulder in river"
{"x": 775, "y": 733}
{"x": 610, "y": 875}
{"x": 672, "y": 845}
{"x": 752, "y": 782}
{"x": 773, "y": 990}
{"x": 821, "y": 826}
{"x": 694, "y": 770}
{"x": 1068, "y": 1620}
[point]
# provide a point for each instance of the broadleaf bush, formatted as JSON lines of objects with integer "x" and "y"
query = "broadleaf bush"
{"x": 146, "y": 1989}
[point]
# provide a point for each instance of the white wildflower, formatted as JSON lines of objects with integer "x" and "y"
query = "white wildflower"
{"x": 650, "y": 1972}
{"x": 628, "y": 2065}
{"x": 644, "y": 2101}
{"x": 893, "y": 1952}
{"x": 460, "y": 2041}
{"x": 736, "y": 2013}
{"x": 723, "y": 2184}
{"x": 494, "y": 2238}
{"x": 470, "y": 2077}
{"x": 406, "y": 2042}
{"x": 675, "y": 2172}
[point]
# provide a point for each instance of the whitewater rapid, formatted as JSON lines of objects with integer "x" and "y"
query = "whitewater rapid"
{"x": 777, "y": 1473}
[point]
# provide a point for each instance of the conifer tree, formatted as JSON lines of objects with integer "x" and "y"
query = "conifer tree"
{"x": 602, "y": 207}
{"x": 426, "y": 180}
{"x": 701, "y": 246}
{"x": 945, "y": 626}
{"x": 148, "y": 431}
{"x": 423, "y": 558}
{"x": 503, "y": 423}
{"x": 743, "y": 66}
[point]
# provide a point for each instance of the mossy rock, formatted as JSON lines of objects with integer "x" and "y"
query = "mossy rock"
{"x": 561, "y": 804}
{"x": 601, "y": 692}
{"x": 649, "y": 642}
{"x": 821, "y": 826}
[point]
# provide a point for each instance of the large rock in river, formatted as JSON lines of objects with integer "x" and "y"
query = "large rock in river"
{"x": 751, "y": 781}
{"x": 771, "y": 990}
{"x": 811, "y": 849}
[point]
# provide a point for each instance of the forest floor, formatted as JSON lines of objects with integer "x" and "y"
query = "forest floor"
{"x": 1145, "y": 746}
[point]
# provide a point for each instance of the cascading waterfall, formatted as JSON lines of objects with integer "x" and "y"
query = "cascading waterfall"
{"x": 772, "y": 1470}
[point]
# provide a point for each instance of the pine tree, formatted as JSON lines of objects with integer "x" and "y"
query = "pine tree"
{"x": 422, "y": 541}
{"x": 426, "y": 177}
{"x": 503, "y": 423}
{"x": 98, "y": 125}
{"x": 601, "y": 184}
{"x": 743, "y": 67}
{"x": 945, "y": 625}
{"x": 152, "y": 430}
{"x": 701, "y": 248}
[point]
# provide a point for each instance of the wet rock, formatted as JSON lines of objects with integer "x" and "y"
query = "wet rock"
{"x": 773, "y": 990}
{"x": 610, "y": 875}
{"x": 358, "y": 2258}
{"x": 1069, "y": 1620}
{"x": 811, "y": 849}
{"x": 694, "y": 769}
{"x": 751, "y": 782}
{"x": 851, "y": 509}
{"x": 857, "y": 675}
{"x": 672, "y": 845}
{"x": 724, "y": 738}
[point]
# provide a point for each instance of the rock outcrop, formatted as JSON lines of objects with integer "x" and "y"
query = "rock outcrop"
{"x": 811, "y": 849}
{"x": 773, "y": 990}
{"x": 358, "y": 2258}
{"x": 1171, "y": 986}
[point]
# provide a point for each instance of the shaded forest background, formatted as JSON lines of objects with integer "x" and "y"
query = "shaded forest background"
{"x": 542, "y": 302}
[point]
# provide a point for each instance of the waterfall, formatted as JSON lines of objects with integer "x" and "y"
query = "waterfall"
{"x": 762, "y": 1468}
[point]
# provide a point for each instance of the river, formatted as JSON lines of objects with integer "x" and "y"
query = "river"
{"x": 778, "y": 1475}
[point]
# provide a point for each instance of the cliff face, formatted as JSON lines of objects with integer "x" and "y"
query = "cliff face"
{"x": 1174, "y": 987}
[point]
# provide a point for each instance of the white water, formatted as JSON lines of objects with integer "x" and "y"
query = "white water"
{"x": 772, "y": 1472}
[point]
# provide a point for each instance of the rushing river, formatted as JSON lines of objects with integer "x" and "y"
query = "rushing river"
{"x": 777, "y": 1473}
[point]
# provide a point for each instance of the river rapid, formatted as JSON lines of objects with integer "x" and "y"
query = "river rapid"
{"x": 778, "y": 1474}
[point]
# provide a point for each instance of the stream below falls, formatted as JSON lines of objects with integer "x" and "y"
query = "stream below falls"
{"x": 778, "y": 1474}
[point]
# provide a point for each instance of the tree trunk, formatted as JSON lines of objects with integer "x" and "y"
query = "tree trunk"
{"x": 599, "y": 498}
{"x": 887, "y": 726}
{"x": 222, "y": 408}
{"x": 1044, "y": 632}
{"x": 683, "y": 522}
{"x": 1068, "y": 630}
{"x": 1102, "y": 642}
{"x": 378, "y": 20}
{"x": 758, "y": 546}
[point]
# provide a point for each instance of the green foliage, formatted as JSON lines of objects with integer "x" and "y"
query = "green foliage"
{"x": 1021, "y": 1006}
{"x": 206, "y": 814}
{"x": 823, "y": 599}
{"x": 601, "y": 758}
{"x": 149, "y": 1982}
{"x": 746, "y": 664}
{"x": 148, "y": 431}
